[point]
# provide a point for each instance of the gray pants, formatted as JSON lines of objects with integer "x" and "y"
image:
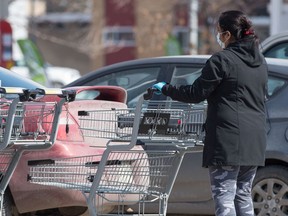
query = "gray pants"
{"x": 231, "y": 189}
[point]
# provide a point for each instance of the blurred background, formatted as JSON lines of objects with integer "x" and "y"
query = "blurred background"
{"x": 84, "y": 35}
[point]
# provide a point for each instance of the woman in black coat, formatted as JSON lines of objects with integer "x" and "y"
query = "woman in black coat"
{"x": 234, "y": 83}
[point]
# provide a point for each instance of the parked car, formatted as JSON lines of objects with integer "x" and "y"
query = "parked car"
{"x": 276, "y": 46}
{"x": 22, "y": 196}
{"x": 191, "y": 193}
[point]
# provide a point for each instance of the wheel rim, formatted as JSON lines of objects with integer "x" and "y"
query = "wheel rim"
{"x": 270, "y": 197}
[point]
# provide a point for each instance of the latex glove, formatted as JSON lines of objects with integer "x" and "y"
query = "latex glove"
{"x": 158, "y": 86}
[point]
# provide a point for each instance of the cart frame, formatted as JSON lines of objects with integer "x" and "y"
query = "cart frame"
{"x": 157, "y": 166}
{"x": 12, "y": 146}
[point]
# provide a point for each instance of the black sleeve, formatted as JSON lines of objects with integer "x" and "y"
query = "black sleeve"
{"x": 212, "y": 74}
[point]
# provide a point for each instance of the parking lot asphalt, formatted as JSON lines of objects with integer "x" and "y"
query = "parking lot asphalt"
{"x": 57, "y": 213}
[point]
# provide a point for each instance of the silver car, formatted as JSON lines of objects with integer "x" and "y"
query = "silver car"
{"x": 276, "y": 46}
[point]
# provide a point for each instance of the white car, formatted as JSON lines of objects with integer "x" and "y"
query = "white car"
{"x": 57, "y": 76}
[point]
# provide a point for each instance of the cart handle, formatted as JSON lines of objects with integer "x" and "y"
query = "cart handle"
{"x": 28, "y": 94}
{"x": 70, "y": 95}
{"x": 31, "y": 93}
{"x": 11, "y": 90}
{"x": 148, "y": 95}
{"x": 62, "y": 93}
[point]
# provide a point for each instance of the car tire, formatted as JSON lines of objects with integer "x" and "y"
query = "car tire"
{"x": 270, "y": 191}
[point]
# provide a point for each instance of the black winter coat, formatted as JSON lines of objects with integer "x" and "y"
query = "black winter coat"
{"x": 234, "y": 83}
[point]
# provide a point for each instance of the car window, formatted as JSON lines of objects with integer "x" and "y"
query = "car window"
{"x": 87, "y": 95}
{"x": 274, "y": 85}
{"x": 135, "y": 81}
{"x": 278, "y": 51}
{"x": 185, "y": 75}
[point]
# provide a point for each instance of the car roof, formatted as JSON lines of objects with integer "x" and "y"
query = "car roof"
{"x": 201, "y": 59}
{"x": 278, "y": 66}
{"x": 196, "y": 59}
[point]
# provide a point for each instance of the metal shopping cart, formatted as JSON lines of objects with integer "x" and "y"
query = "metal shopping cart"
{"x": 25, "y": 124}
{"x": 126, "y": 173}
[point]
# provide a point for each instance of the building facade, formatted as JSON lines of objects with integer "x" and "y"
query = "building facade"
{"x": 95, "y": 33}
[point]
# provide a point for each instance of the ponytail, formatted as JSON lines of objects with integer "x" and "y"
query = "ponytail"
{"x": 238, "y": 24}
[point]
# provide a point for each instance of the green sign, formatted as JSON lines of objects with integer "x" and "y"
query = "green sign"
{"x": 33, "y": 60}
{"x": 172, "y": 46}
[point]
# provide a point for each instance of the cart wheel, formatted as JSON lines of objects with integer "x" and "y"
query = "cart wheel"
{"x": 270, "y": 190}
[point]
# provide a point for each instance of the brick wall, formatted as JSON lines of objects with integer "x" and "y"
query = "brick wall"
{"x": 151, "y": 16}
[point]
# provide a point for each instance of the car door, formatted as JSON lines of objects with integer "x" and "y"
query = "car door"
{"x": 192, "y": 182}
{"x": 276, "y": 109}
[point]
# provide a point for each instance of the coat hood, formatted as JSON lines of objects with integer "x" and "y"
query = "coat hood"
{"x": 247, "y": 50}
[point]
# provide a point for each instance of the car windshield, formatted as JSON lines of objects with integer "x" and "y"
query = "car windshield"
{"x": 11, "y": 79}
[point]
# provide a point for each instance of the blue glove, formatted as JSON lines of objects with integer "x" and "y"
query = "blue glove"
{"x": 158, "y": 86}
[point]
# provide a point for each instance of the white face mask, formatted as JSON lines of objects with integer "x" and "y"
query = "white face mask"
{"x": 222, "y": 44}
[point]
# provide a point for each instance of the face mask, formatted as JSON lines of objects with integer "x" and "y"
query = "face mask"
{"x": 222, "y": 44}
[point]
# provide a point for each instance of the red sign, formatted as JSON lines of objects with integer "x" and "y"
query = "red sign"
{"x": 6, "y": 41}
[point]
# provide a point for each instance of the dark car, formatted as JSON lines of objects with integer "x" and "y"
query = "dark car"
{"x": 191, "y": 193}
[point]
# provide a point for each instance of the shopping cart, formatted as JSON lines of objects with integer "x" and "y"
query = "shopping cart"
{"x": 125, "y": 173}
{"x": 25, "y": 124}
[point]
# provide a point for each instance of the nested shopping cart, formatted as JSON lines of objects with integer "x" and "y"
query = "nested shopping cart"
{"x": 25, "y": 124}
{"x": 124, "y": 173}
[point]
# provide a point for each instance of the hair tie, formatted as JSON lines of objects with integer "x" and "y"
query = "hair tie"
{"x": 249, "y": 32}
